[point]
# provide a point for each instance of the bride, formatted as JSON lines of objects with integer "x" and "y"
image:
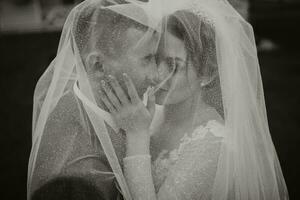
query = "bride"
{"x": 191, "y": 138}
{"x": 199, "y": 132}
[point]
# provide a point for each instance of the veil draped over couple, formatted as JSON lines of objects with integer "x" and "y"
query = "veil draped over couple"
{"x": 153, "y": 100}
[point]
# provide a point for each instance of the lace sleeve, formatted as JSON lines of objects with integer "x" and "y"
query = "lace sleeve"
{"x": 137, "y": 171}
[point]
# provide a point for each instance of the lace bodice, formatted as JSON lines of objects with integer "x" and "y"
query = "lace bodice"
{"x": 184, "y": 173}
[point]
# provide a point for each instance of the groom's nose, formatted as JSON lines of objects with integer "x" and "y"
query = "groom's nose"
{"x": 164, "y": 70}
{"x": 153, "y": 75}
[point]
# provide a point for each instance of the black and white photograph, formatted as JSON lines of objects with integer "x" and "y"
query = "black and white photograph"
{"x": 150, "y": 99}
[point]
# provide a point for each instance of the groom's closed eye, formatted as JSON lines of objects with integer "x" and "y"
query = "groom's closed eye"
{"x": 150, "y": 58}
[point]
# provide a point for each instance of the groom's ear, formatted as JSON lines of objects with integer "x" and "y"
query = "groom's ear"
{"x": 94, "y": 64}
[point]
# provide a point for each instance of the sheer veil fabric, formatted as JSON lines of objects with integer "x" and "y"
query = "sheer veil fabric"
{"x": 221, "y": 46}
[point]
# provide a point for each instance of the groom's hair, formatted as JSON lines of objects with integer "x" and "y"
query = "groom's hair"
{"x": 100, "y": 29}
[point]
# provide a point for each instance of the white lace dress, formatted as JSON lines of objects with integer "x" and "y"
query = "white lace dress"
{"x": 184, "y": 173}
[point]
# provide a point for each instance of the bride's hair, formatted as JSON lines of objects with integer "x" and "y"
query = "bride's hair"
{"x": 198, "y": 36}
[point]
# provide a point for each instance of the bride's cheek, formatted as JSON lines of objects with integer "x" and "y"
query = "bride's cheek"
{"x": 181, "y": 82}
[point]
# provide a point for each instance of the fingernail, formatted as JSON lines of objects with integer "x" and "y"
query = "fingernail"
{"x": 125, "y": 77}
{"x": 151, "y": 89}
{"x": 110, "y": 76}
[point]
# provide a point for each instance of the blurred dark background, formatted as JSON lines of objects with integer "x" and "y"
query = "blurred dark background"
{"x": 29, "y": 35}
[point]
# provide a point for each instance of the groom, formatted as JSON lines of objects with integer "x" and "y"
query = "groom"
{"x": 112, "y": 49}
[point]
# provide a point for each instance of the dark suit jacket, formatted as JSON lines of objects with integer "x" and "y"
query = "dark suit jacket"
{"x": 70, "y": 161}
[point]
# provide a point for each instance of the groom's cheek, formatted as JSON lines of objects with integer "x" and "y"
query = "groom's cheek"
{"x": 138, "y": 82}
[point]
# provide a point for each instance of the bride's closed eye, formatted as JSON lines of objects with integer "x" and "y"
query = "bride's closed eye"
{"x": 150, "y": 58}
{"x": 175, "y": 64}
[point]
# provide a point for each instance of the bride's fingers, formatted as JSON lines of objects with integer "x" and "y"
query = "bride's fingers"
{"x": 151, "y": 102}
{"x": 118, "y": 90}
{"x": 107, "y": 103}
{"x": 134, "y": 97}
{"x": 111, "y": 96}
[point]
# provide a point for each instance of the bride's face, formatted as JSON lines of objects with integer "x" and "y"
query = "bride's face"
{"x": 184, "y": 80}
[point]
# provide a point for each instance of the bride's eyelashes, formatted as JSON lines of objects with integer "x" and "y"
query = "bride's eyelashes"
{"x": 175, "y": 65}
{"x": 150, "y": 58}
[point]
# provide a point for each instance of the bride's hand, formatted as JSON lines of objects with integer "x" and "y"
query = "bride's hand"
{"x": 128, "y": 111}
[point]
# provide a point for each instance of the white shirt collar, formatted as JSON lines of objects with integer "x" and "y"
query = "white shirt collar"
{"x": 106, "y": 116}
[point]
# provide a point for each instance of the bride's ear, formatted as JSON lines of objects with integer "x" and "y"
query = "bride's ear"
{"x": 210, "y": 74}
{"x": 207, "y": 80}
{"x": 94, "y": 64}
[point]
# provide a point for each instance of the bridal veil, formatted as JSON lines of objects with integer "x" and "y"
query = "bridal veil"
{"x": 248, "y": 166}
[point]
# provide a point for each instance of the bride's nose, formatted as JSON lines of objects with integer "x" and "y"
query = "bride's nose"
{"x": 152, "y": 75}
{"x": 160, "y": 73}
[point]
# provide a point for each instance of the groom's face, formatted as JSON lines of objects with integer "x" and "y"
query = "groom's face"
{"x": 137, "y": 59}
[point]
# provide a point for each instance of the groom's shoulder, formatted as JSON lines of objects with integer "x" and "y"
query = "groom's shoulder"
{"x": 68, "y": 108}
{"x": 66, "y": 116}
